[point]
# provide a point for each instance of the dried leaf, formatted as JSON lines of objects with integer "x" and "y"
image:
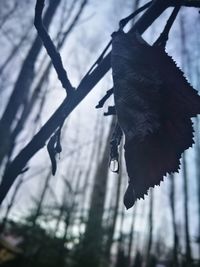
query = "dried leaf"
{"x": 154, "y": 104}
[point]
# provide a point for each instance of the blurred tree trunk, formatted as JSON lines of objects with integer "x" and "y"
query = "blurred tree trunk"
{"x": 63, "y": 209}
{"x": 21, "y": 89}
{"x": 150, "y": 224}
{"x": 186, "y": 215}
{"x": 138, "y": 260}
{"x": 91, "y": 252}
{"x": 11, "y": 203}
{"x": 68, "y": 192}
{"x": 197, "y": 146}
{"x": 197, "y": 150}
{"x": 69, "y": 213}
{"x": 184, "y": 54}
{"x": 15, "y": 49}
{"x": 115, "y": 209}
{"x": 121, "y": 259}
{"x": 92, "y": 157}
{"x": 175, "y": 233}
{"x": 37, "y": 212}
{"x": 34, "y": 259}
{"x": 131, "y": 235}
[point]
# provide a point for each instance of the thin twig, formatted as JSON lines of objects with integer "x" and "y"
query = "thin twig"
{"x": 105, "y": 98}
{"x": 122, "y": 24}
{"x": 164, "y": 36}
{"x": 51, "y": 50}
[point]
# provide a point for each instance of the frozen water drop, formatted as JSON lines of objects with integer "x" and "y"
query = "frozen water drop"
{"x": 114, "y": 165}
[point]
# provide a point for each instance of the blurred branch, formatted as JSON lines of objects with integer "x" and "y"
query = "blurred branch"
{"x": 191, "y": 3}
{"x": 69, "y": 104}
{"x": 74, "y": 21}
{"x": 15, "y": 49}
{"x": 5, "y": 18}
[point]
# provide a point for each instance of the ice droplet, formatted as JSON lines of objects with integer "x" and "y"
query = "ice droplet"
{"x": 114, "y": 165}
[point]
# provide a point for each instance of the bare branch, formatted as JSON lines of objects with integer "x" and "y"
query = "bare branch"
{"x": 51, "y": 50}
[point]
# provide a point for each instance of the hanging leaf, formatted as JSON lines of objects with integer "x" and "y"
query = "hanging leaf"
{"x": 154, "y": 105}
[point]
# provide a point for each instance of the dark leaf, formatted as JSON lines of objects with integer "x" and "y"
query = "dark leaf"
{"x": 154, "y": 104}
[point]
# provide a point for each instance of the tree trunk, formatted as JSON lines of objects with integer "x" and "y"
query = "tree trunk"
{"x": 114, "y": 214}
{"x": 184, "y": 53}
{"x": 131, "y": 235}
{"x": 198, "y": 178}
{"x": 41, "y": 199}
{"x": 175, "y": 234}
{"x": 11, "y": 203}
{"x": 150, "y": 234}
{"x": 186, "y": 216}
{"x": 91, "y": 252}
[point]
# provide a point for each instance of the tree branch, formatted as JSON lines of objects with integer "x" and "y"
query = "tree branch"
{"x": 51, "y": 50}
{"x": 69, "y": 104}
{"x": 191, "y": 3}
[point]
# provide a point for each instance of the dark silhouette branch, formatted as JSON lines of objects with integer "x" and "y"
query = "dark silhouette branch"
{"x": 62, "y": 37}
{"x": 190, "y": 3}
{"x": 105, "y": 98}
{"x": 86, "y": 85}
{"x": 51, "y": 50}
{"x": 163, "y": 38}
